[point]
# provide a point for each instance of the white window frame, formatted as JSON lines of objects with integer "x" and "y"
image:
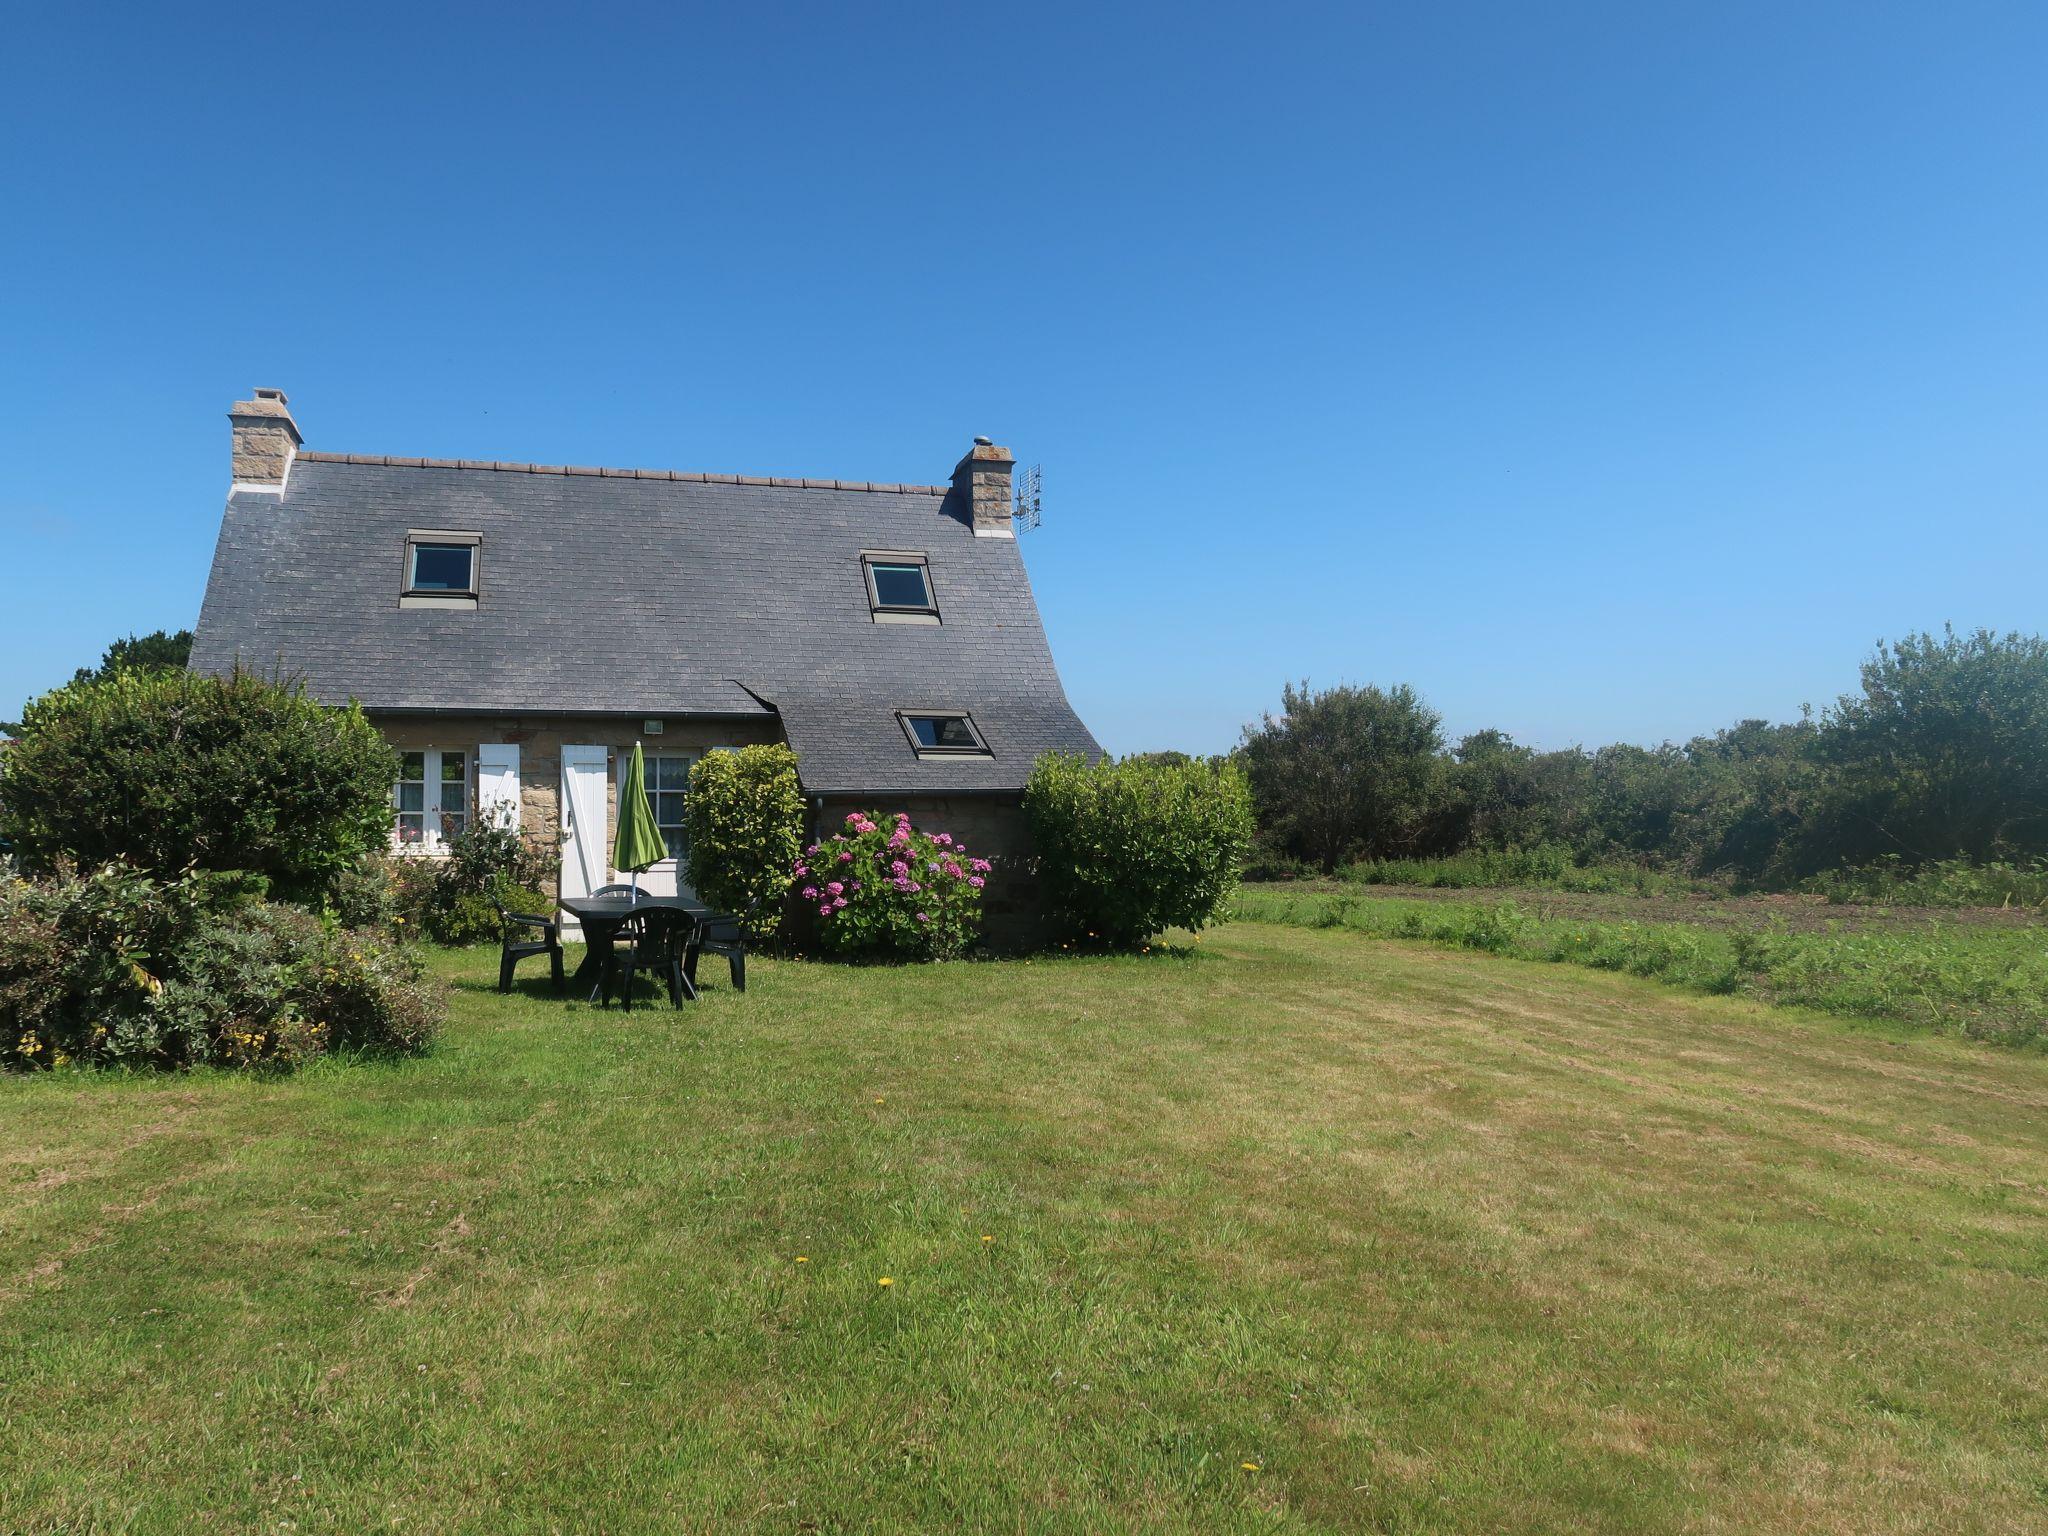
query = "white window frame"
{"x": 431, "y": 811}
{"x": 689, "y": 761}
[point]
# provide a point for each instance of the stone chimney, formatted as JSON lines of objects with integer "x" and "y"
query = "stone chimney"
{"x": 265, "y": 441}
{"x": 982, "y": 481}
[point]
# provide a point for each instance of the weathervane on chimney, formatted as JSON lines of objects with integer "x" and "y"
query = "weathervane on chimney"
{"x": 1026, "y": 508}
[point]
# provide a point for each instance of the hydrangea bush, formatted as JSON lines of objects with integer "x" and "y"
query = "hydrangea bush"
{"x": 880, "y": 887}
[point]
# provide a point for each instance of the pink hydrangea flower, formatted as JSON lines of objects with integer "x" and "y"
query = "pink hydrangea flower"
{"x": 898, "y": 866}
{"x": 944, "y": 839}
{"x": 979, "y": 866}
{"x": 924, "y": 917}
{"x": 825, "y": 910}
{"x": 976, "y": 881}
{"x": 800, "y": 871}
{"x": 846, "y": 858}
{"x": 952, "y": 869}
{"x": 835, "y": 887}
{"x": 854, "y": 886}
{"x": 810, "y": 893}
{"x": 838, "y": 901}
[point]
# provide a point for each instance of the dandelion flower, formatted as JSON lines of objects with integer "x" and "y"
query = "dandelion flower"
{"x": 881, "y": 1101}
{"x": 1249, "y": 1466}
{"x": 803, "y": 1258}
{"x": 988, "y": 1237}
{"x": 885, "y": 1280}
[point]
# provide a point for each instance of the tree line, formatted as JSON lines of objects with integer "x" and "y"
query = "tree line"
{"x": 1941, "y": 753}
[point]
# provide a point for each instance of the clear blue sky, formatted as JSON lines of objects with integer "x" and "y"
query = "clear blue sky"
{"x": 1606, "y": 371}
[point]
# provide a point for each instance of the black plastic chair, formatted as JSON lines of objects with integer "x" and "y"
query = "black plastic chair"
{"x": 719, "y": 933}
{"x": 657, "y": 940}
{"x": 516, "y": 944}
{"x": 613, "y": 890}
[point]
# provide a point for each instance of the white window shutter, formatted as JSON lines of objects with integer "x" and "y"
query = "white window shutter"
{"x": 497, "y": 784}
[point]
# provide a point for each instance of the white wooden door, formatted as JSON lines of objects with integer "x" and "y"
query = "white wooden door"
{"x": 586, "y": 850}
{"x": 497, "y": 784}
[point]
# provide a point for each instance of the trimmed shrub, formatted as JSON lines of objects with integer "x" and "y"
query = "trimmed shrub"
{"x": 1128, "y": 848}
{"x": 114, "y": 968}
{"x": 174, "y": 770}
{"x": 745, "y": 818}
{"x": 455, "y": 899}
{"x": 881, "y": 888}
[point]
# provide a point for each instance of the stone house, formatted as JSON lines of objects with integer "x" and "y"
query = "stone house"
{"x": 511, "y": 628}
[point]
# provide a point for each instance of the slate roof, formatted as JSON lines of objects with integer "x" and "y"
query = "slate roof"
{"x": 643, "y": 593}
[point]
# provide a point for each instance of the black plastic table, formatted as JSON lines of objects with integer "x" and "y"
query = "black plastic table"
{"x": 602, "y": 917}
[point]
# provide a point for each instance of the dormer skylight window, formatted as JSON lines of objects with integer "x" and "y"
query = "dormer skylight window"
{"x": 440, "y": 569}
{"x": 942, "y": 733}
{"x": 899, "y": 587}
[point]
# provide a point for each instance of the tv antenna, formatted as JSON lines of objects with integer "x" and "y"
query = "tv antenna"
{"x": 1026, "y": 510}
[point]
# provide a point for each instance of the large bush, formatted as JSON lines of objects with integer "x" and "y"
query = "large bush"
{"x": 1944, "y": 754}
{"x": 881, "y": 888}
{"x": 172, "y": 770}
{"x": 116, "y": 968}
{"x": 1128, "y": 848}
{"x": 745, "y": 818}
{"x": 454, "y": 899}
{"x": 1348, "y": 773}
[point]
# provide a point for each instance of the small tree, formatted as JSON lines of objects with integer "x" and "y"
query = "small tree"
{"x": 1128, "y": 848}
{"x": 157, "y": 651}
{"x": 745, "y": 817}
{"x": 1944, "y": 753}
{"x": 1349, "y": 772}
{"x": 173, "y": 770}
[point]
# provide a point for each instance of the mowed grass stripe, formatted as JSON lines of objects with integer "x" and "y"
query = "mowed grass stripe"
{"x": 1438, "y": 1241}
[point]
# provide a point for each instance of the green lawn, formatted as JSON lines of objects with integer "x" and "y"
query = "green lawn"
{"x": 1434, "y": 1240}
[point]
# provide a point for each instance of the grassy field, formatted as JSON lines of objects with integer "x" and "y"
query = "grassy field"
{"x": 1981, "y": 972}
{"x": 1294, "y": 1232}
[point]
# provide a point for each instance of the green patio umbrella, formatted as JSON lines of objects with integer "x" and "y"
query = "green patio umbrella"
{"x": 639, "y": 842}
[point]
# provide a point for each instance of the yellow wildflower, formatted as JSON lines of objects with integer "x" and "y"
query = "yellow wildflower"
{"x": 885, "y": 1280}
{"x": 803, "y": 1258}
{"x": 1249, "y": 1466}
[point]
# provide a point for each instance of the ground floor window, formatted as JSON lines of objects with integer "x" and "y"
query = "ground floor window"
{"x": 431, "y": 799}
{"x": 668, "y": 779}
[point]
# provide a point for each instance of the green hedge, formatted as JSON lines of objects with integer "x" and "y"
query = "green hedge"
{"x": 175, "y": 770}
{"x": 745, "y": 818}
{"x": 1128, "y": 848}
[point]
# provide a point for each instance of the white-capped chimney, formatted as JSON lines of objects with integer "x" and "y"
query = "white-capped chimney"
{"x": 266, "y": 439}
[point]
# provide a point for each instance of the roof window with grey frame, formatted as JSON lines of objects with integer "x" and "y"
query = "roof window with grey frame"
{"x": 942, "y": 733}
{"x": 442, "y": 569}
{"x": 899, "y": 586}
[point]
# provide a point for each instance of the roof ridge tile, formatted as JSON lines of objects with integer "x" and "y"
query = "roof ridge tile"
{"x": 693, "y": 477}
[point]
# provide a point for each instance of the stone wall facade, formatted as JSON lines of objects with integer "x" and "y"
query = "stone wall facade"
{"x": 991, "y": 826}
{"x": 540, "y": 740}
